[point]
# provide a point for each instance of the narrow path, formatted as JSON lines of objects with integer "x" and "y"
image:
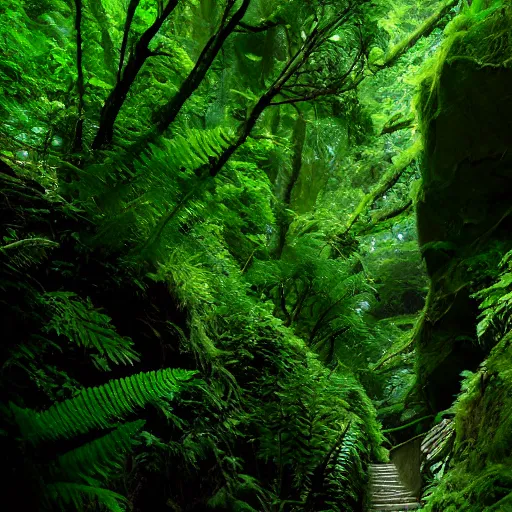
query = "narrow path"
{"x": 387, "y": 491}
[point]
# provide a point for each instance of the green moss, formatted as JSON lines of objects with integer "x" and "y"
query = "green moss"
{"x": 465, "y": 491}
{"x": 481, "y": 475}
{"x": 465, "y": 111}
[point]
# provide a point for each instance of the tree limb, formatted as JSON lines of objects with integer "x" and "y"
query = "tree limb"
{"x": 130, "y": 12}
{"x": 424, "y": 30}
{"x": 386, "y": 216}
{"x": 117, "y": 96}
{"x": 402, "y": 427}
{"x": 259, "y": 28}
{"x": 387, "y": 358}
{"x": 391, "y": 127}
{"x": 166, "y": 115}
{"x": 293, "y": 65}
{"x": 388, "y": 180}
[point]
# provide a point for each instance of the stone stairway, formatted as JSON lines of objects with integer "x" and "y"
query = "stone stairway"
{"x": 387, "y": 491}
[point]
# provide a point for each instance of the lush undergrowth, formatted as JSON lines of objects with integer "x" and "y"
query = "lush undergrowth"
{"x": 209, "y": 258}
{"x": 480, "y": 477}
{"x": 252, "y": 406}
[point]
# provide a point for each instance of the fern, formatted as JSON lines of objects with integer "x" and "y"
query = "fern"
{"x": 99, "y": 458}
{"x": 99, "y": 407}
{"x": 155, "y": 188}
{"x": 66, "y": 493}
{"x": 27, "y": 252}
{"x": 87, "y": 327}
{"x": 496, "y": 302}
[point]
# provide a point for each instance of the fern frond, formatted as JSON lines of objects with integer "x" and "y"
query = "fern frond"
{"x": 66, "y": 493}
{"x": 99, "y": 458}
{"x": 27, "y": 252}
{"x": 86, "y": 326}
{"x": 156, "y": 184}
{"x": 100, "y": 407}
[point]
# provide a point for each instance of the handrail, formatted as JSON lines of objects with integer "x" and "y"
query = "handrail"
{"x": 395, "y": 429}
{"x": 408, "y": 441}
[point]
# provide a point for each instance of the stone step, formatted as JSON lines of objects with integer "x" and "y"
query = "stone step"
{"x": 397, "y": 495}
{"x": 392, "y": 487}
{"x": 393, "y": 499}
{"x": 382, "y": 507}
{"x": 386, "y": 493}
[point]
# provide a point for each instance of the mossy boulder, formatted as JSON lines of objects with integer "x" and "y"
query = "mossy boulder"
{"x": 464, "y": 208}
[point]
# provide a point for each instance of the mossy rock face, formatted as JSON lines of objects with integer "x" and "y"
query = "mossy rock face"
{"x": 464, "y": 209}
{"x": 479, "y": 478}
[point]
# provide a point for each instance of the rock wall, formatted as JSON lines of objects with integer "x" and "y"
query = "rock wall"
{"x": 476, "y": 475}
{"x": 465, "y": 204}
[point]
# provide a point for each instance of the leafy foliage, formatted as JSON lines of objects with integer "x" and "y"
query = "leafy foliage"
{"x": 496, "y": 302}
{"x": 86, "y": 327}
{"x": 92, "y": 408}
{"x": 178, "y": 181}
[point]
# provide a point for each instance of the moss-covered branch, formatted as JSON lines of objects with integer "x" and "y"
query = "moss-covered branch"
{"x": 396, "y": 125}
{"x": 424, "y": 30}
{"x": 387, "y": 215}
{"x": 388, "y": 180}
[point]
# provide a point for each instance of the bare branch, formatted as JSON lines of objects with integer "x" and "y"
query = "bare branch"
{"x": 130, "y": 12}
{"x": 166, "y": 114}
{"x": 117, "y": 96}
{"x": 294, "y": 64}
